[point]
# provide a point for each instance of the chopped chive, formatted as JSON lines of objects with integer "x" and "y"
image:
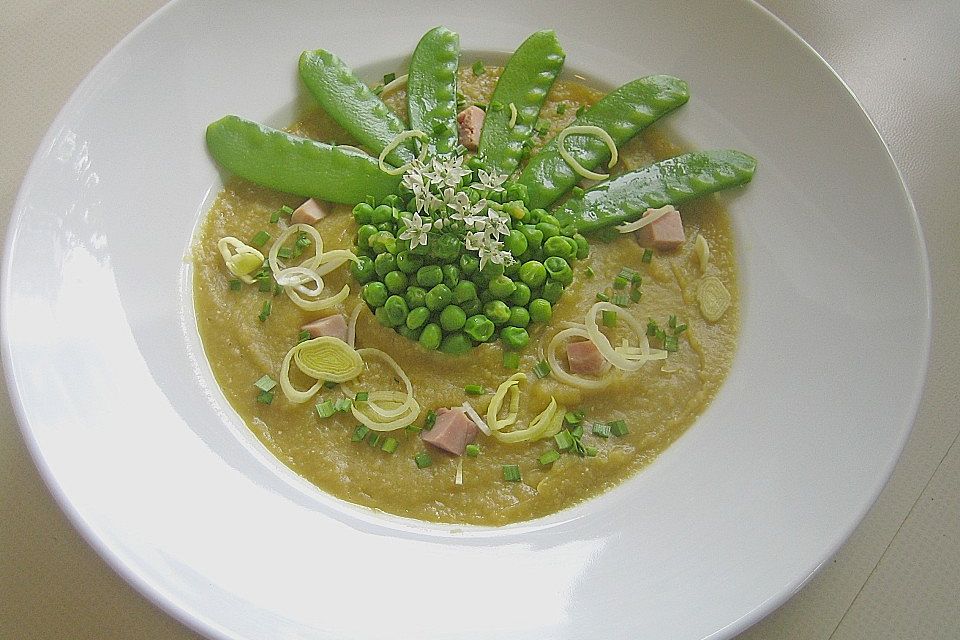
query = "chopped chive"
{"x": 377, "y": 90}
{"x": 430, "y": 420}
{"x": 390, "y": 77}
{"x": 580, "y": 110}
{"x": 265, "y": 311}
{"x": 472, "y": 450}
{"x": 589, "y": 271}
{"x": 474, "y": 389}
{"x": 635, "y": 295}
{"x": 620, "y": 282}
{"x": 373, "y": 439}
{"x": 549, "y": 457}
{"x": 629, "y": 274}
{"x": 564, "y": 440}
{"x": 412, "y": 428}
{"x": 561, "y": 107}
{"x": 390, "y": 445}
{"x": 260, "y": 239}
{"x": 422, "y": 460}
{"x": 265, "y": 383}
{"x": 304, "y": 241}
{"x": 590, "y": 451}
{"x": 275, "y": 217}
{"x": 577, "y": 192}
{"x": 577, "y": 432}
{"x": 652, "y": 328}
{"x": 680, "y": 329}
{"x": 277, "y": 289}
{"x": 303, "y": 336}
{"x": 342, "y": 405}
{"x": 478, "y": 68}
{"x": 661, "y": 334}
{"x": 573, "y": 417}
{"x": 672, "y": 322}
{"x": 601, "y": 430}
{"x": 609, "y": 318}
{"x": 265, "y": 397}
{"x": 360, "y": 433}
{"x": 325, "y": 409}
{"x": 362, "y": 396}
{"x": 670, "y": 343}
{"x": 511, "y": 360}
{"x": 265, "y": 284}
{"x": 619, "y": 428}
{"x": 496, "y": 105}
{"x": 542, "y": 369}
{"x": 286, "y": 211}
{"x": 647, "y": 256}
{"x": 621, "y": 300}
{"x": 511, "y": 473}
{"x": 235, "y": 285}
{"x": 602, "y": 297}
{"x": 285, "y": 252}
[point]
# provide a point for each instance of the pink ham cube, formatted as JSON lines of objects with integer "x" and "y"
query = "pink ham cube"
{"x": 471, "y": 124}
{"x": 334, "y": 326}
{"x": 664, "y": 234}
{"x": 452, "y": 432}
{"x": 584, "y": 358}
{"x": 310, "y": 212}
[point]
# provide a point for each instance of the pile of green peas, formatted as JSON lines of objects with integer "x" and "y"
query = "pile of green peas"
{"x": 437, "y": 294}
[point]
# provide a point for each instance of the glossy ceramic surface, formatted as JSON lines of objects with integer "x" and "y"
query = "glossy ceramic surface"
{"x": 135, "y": 440}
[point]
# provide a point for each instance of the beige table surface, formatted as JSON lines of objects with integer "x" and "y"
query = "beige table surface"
{"x": 899, "y": 574}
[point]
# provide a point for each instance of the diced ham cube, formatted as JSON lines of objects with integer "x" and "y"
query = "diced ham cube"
{"x": 310, "y": 212}
{"x": 452, "y": 432}
{"x": 584, "y": 358}
{"x": 664, "y": 234}
{"x": 334, "y": 326}
{"x": 471, "y": 124}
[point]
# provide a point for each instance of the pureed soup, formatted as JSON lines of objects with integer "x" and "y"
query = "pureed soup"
{"x": 507, "y": 362}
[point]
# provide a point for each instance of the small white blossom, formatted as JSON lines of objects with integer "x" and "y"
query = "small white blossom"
{"x": 416, "y": 230}
{"x": 491, "y": 182}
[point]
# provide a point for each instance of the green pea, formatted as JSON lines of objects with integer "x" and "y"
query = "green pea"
{"x": 363, "y": 213}
{"x": 364, "y": 233}
{"x": 486, "y": 296}
{"x": 521, "y": 296}
{"x": 533, "y": 235}
{"x": 536, "y": 215}
{"x": 491, "y": 270}
{"x": 559, "y": 270}
{"x": 516, "y": 242}
{"x": 514, "y": 337}
{"x": 550, "y": 219}
{"x": 374, "y": 293}
{"x": 469, "y": 264}
{"x": 501, "y": 287}
{"x": 515, "y": 210}
{"x": 446, "y": 248}
{"x": 497, "y": 311}
{"x": 452, "y": 317}
{"x": 415, "y": 297}
{"x": 439, "y": 297}
{"x": 363, "y": 270}
{"x": 583, "y": 247}
{"x": 397, "y": 310}
{"x": 533, "y": 274}
{"x": 385, "y": 263}
{"x": 451, "y": 275}
{"x": 383, "y": 213}
{"x": 386, "y": 226}
{"x": 383, "y": 317}
{"x": 540, "y": 310}
{"x": 478, "y": 327}
{"x": 512, "y": 270}
{"x": 408, "y": 333}
{"x": 517, "y": 191}
{"x": 557, "y": 246}
{"x": 431, "y": 336}
{"x": 383, "y": 242}
{"x": 408, "y": 262}
{"x": 574, "y": 248}
{"x": 548, "y": 229}
{"x": 417, "y": 317}
{"x": 569, "y": 230}
{"x": 396, "y": 281}
{"x": 456, "y": 343}
{"x": 519, "y": 317}
{"x": 471, "y": 307}
{"x": 429, "y": 276}
{"x": 552, "y": 291}
{"x": 465, "y": 290}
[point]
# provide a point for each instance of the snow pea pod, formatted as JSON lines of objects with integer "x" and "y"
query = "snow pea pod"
{"x": 291, "y": 164}
{"x": 672, "y": 181}
{"x": 353, "y": 104}
{"x": 432, "y": 88}
{"x": 524, "y": 83}
{"x": 622, "y": 113}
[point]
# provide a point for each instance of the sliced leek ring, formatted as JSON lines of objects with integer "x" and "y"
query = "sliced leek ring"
{"x": 327, "y": 358}
{"x": 713, "y": 297}
{"x": 242, "y": 261}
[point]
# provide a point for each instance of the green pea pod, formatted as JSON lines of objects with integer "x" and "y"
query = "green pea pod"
{"x": 672, "y": 181}
{"x": 524, "y": 83}
{"x": 291, "y": 164}
{"x": 432, "y": 88}
{"x": 353, "y": 104}
{"x": 622, "y": 113}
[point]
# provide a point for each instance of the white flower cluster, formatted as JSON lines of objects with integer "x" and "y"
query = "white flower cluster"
{"x": 442, "y": 204}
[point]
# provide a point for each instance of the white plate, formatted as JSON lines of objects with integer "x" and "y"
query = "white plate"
{"x": 136, "y": 442}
